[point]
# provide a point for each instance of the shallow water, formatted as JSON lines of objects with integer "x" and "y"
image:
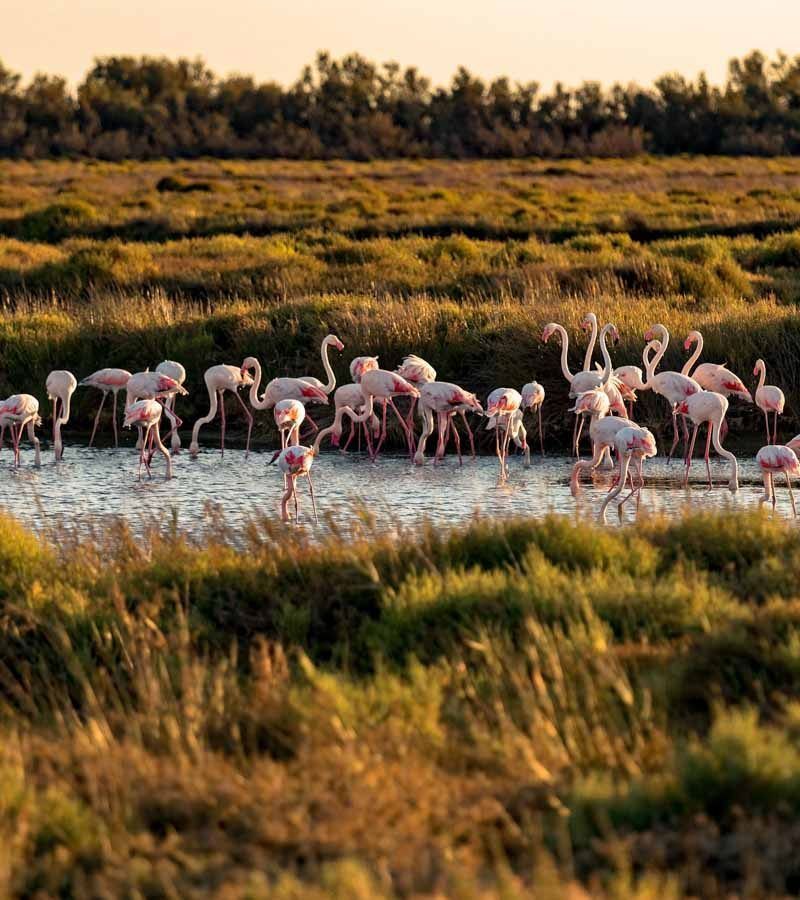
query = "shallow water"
{"x": 91, "y": 484}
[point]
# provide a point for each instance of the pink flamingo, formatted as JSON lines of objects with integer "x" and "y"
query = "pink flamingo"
{"x": 603, "y": 429}
{"x": 289, "y": 415}
{"x": 295, "y": 462}
{"x": 177, "y": 372}
{"x": 219, "y": 379}
{"x": 635, "y": 442}
{"x": 17, "y": 412}
{"x": 711, "y": 376}
{"x": 418, "y": 372}
{"x": 519, "y": 434}
{"x": 674, "y": 387}
{"x": 288, "y": 389}
{"x": 503, "y": 403}
{"x": 108, "y": 381}
{"x": 444, "y": 399}
{"x": 769, "y": 399}
{"x": 351, "y": 395}
{"x": 776, "y": 458}
{"x": 149, "y": 385}
{"x": 146, "y": 415}
{"x": 631, "y": 377}
{"x": 710, "y": 408}
{"x": 60, "y": 386}
{"x": 362, "y": 364}
{"x": 533, "y": 399}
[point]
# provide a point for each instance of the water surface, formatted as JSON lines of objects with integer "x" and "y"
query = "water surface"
{"x": 91, "y": 484}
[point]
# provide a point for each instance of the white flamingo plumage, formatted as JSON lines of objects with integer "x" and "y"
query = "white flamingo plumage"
{"x": 503, "y": 403}
{"x": 712, "y": 376}
{"x": 773, "y": 459}
{"x": 219, "y": 379}
{"x": 109, "y": 381}
{"x": 631, "y": 442}
{"x": 442, "y": 399}
{"x": 295, "y": 462}
{"x": 18, "y": 412}
{"x": 289, "y": 415}
{"x": 769, "y": 399}
{"x": 60, "y": 386}
{"x": 146, "y": 415}
{"x": 603, "y": 429}
{"x": 708, "y": 407}
{"x": 177, "y": 372}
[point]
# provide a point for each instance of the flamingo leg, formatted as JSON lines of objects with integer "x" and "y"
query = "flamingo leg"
{"x": 689, "y": 456}
{"x": 312, "y": 423}
{"x": 456, "y": 438}
{"x": 442, "y": 427}
{"x": 382, "y": 437}
{"x": 575, "y": 438}
{"x": 353, "y": 429}
{"x": 541, "y": 435}
{"x": 249, "y": 417}
{"x": 406, "y": 429}
{"x": 775, "y": 428}
{"x": 222, "y": 413}
{"x": 708, "y": 450}
{"x": 675, "y": 437}
{"x": 469, "y": 432}
{"x": 506, "y": 439}
{"x": 772, "y": 490}
{"x": 313, "y": 501}
{"x": 578, "y": 438}
{"x": 766, "y": 423}
{"x": 114, "y": 419}
{"x": 97, "y": 417}
{"x": 791, "y": 493}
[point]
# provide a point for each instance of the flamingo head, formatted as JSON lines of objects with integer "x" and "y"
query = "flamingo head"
{"x": 335, "y": 342}
{"x": 249, "y": 363}
{"x": 472, "y": 401}
{"x": 758, "y": 367}
{"x": 549, "y": 331}
{"x": 650, "y": 334}
{"x": 614, "y": 334}
{"x": 588, "y": 321}
{"x": 691, "y": 338}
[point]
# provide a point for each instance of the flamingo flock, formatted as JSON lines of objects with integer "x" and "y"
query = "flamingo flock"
{"x": 700, "y": 395}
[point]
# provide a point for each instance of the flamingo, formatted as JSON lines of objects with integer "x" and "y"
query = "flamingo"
{"x": 60, "y": 386}
{"x": 630, "y": 442}
{"x": 769, "y": 399}
{"x": 146, "y": 415}
{"x": 380, "y": 385}
{"x": 289, "y": 415}
{"x": 219, "y": 379}
{"x": 518, "y": 432}
{"x": 586, "y": 380}
{"x": 711, "y": 376}
{"x": 444, "y": 399}
{"x": 418, "y": 372}
{"x": 776, "y": 458}
{"x": 674, "y": 387}
{"x": 149, "y": 385}
{"x": 351, "y": 395}
{"x": 710, "y": 408}
{"x": 17, "y": 412}
{"x": 603, "y": 429}
{"x": 288, "y": 389}
{"x": 533, "y": 399}
{"x": 107, "y": 381}
{"x": 362, "y": 364}
{"x": 176, "y": 371}
{"x": 295, "y": 462}
{"x": 631, "y": 377}
{"x": 503, "y": 403}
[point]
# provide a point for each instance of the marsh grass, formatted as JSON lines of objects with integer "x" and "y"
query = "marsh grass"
{"x": 475, "y": 710}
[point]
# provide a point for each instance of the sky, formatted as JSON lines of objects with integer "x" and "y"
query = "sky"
{"x": 528, "y": 40}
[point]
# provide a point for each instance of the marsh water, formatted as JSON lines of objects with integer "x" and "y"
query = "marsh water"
{"x": 91, "y": 484}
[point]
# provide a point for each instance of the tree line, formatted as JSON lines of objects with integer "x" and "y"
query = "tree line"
{"x": 142, "y": 108}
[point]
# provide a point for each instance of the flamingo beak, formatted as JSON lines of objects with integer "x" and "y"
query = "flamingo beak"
{"x": 649, "y": 335}
{"x": 339, "y": 346}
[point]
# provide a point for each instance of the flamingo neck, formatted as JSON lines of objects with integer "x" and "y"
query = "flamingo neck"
{"x": 341, "y": 412}
{"x": 651, "y": 362}
{"x": 254, "y": 401}
{"x": 762, "y": 376}
{"x": 688, "y": 365}
{"x": 328, "y": 370}
{"x": 562, "y": 333}
{"x": 606, "y": 355}
{"x": 733, "y": 481}
{"x": 587, "y": 360}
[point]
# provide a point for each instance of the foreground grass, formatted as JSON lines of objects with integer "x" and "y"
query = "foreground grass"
{"x": 469, "y": 713}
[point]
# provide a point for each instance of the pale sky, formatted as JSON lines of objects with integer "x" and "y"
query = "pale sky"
{"x": 528, "y": 40}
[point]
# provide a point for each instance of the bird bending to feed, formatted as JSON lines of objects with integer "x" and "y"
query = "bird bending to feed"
{"x": 603, "y": 429}
{"x": 17, "y": 412}
{"x": 219, "y": 379}
{"x": 108, "y": 381}
{"x": 177, "y": 372}
{"x": 631, "y": 442}
{"x": 711, "y": 376}
{"x": 674, "y": 387}
{"x": 295, "y": 462}
{"x": 708, "y": 407}
{"x": 289, "y": 415}
{"x": 362, "y": 364}
{"x": 769, "y": 399}
{"x": 442, "y": 399}
{"x": 416, "y": 371}
{"x": 60, "y": 386}
{"x": 149, "y": 385}
{"x": 772, "y": 459}
{"x": 146, "y": 414}
{"x": 503, "y": 403}
{"x": 351, "y": 395}
{"x": 533, "y": 399}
